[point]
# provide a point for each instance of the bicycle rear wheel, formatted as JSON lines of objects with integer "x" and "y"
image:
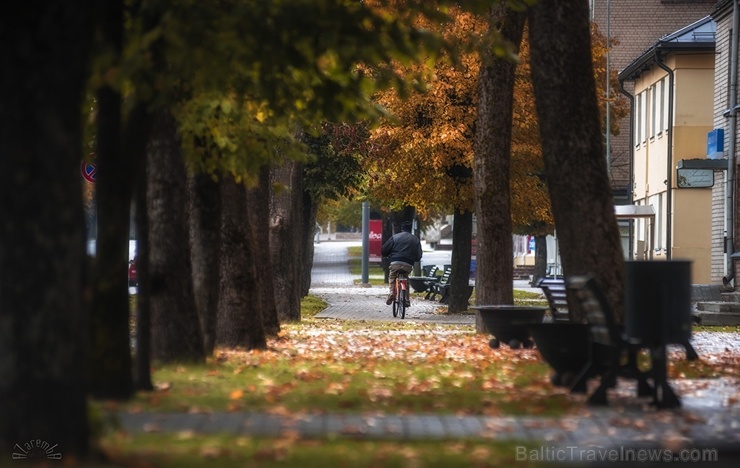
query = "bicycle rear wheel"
{"x": 396, "y": 301}
{"x": 403, "y": 299}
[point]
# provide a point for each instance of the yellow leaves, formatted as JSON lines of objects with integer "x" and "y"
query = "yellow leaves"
{"x": 236, "y": 394}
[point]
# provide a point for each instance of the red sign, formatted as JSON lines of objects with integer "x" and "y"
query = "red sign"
{"x": 89, "y": 169}
{"x": 376, "y": 239}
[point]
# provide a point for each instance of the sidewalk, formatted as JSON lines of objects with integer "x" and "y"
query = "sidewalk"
{"x": 709, "y": 417}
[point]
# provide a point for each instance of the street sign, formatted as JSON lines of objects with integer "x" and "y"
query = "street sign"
{"x": 89, "y": 169}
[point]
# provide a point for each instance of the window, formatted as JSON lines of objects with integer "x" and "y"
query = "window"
{"x": 661, "y": 107}
{"x": 638, "y": 120}
{"x": 665, "y": 98}
{"x": 653, "y": 109}
{"x": 643, "y": 117}
{"x": 659, "y": 224}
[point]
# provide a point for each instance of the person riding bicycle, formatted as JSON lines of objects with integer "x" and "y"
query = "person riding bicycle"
{"x": 403, "y": 250}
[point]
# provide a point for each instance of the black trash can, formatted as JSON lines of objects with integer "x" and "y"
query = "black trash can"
{"x": 658, "y": 301}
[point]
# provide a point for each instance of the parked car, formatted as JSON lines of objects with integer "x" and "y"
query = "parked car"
{"x": 133, "y": 277}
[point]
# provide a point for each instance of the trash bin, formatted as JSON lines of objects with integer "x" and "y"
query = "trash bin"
{"x": 658, "y": 301}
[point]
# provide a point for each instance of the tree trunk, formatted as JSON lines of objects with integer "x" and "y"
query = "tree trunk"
{"x": 462, "y": 233}
{"x": 205, "y": 234}
{"x": 309, "y": 234}
{"x": 286, "y": 235}
{"x": 494, "y": 259}
{"x": 143, "y": 356}
{"x": 111, "y": 375}
{"x": 44, "y": 327}
{"x": 136, "y": 136}
{"x": 540, "y": 258}
{"x": 176, "y": 334}
{"x": 239, "y": 323}
{"x": 582, "y": 205}
{"x": 258, "y": 208}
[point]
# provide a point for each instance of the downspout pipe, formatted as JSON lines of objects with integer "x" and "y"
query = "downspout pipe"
{"x": 669, "y": 163}
{"x": 631, "y": 158}
{"x": 732, "y": 131}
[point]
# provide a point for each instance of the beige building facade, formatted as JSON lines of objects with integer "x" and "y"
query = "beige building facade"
{"x": 673, "y": 113}
{"x": 636, "y": 25}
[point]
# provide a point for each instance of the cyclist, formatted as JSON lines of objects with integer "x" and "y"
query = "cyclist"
{"x": 403, "y": 250}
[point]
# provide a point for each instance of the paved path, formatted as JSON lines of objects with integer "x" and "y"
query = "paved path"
{"x": 709, "y": 418}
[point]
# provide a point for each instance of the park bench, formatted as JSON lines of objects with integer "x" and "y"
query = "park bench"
{"x": 421, "y": 283}
{"x": 442, "y": 288}
{"x": 556, "y": 294}
{"x": 439, "y": 286}
{"x": 613, "y": 355}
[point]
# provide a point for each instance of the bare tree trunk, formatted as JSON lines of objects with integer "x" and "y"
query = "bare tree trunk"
{"x": 582, "y": 204}
{"x": 495, "y": 261}
{"x": 143, "y": 356}
{"x": 111, "y": 375}
{"x": 136, "y": 135}
{"x": 309, "y": 234}
{"x": 205, "y": 241}
{"x": 258, "y": 208}
{"x": 286, "y": 240}
{"x": 176, "y": 333}
{"x": 44, "y": 326}
{"x": 540, "y": 258}
{"x": 462, "y": 233}
{"x": 239, "y": 322}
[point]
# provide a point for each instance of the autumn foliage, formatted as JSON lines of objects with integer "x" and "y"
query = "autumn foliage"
{"x": 422, "y": 155}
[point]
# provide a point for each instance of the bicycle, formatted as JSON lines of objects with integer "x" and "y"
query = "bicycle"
{"x": 401, "y": 300}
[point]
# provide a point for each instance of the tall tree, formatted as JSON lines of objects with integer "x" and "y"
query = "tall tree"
{"x": 205, "y": 251}
{"x": 239, "y": 322}
{"x": 176, "y": 333}
{"x": 43, "y": 372}
{"x": 582, "y": 204}
{"x": 258, "y": 209}
{"x": 286, "y": 239}
{"x": 333, "y": 172}
{"x": 492, "y": 161}
{"x": 114, "y": 188}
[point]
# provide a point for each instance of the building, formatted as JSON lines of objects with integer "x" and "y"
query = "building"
{"x": 724, "y": 194}
{"x": 636, "y": 25}
{"x": 672, "y": 114}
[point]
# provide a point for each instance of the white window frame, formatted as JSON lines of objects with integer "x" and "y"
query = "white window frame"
{"x": 638, "y": 120}
{"x": 662, "y": 117}
{"x": 667, "y": 97}
{"x": 653, "y": 102}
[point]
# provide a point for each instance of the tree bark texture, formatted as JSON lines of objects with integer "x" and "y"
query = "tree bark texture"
{"x": 44, "y": 326}
{"x": 111, "y": 375}
{"x": 258, "y": 209}
{"x": 582, "y": 204}
{"x": 491, "y": 163}
{"x": 286, "y": 240}
{"x": 462, "y": 233}
{"x": 143, "y": 356}
{"x": 205, "y": 241}
{"x": 136, "y": 135}
{"x": 309, "y": 234}
{"x": 176, "y": 334}
{"x": 239, "y": 323}
{"x": 540, "y": 258}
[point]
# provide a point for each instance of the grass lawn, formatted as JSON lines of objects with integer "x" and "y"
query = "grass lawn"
{"x": 353, "y": 367}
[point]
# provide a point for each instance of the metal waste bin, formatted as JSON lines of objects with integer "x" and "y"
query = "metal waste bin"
{"x": 658, "y": 301}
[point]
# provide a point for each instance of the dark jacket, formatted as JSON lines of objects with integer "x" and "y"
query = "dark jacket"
{"x": 402, "y": 247}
